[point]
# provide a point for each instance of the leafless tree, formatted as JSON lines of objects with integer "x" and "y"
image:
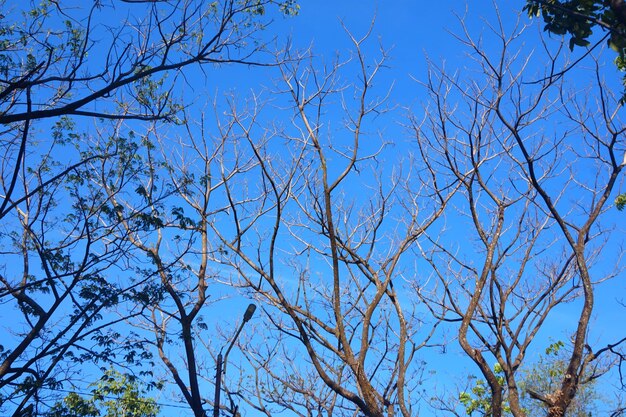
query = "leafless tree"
{"x": 246, "y": 200}
{"x": 537, "y": 164}
{"x": 321, "y": 239}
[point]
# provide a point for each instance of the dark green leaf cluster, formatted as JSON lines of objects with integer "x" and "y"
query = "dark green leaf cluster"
{"x": 574, "y": 18}
{"x": 620, "y": 201}
{"x": 579, "y": 18}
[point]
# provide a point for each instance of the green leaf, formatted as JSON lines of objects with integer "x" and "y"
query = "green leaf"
{"x": 620, "y": 202}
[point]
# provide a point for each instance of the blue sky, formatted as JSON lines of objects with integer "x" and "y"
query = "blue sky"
{"x": 411, "y": 32}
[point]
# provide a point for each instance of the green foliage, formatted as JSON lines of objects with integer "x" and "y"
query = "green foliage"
{"x": 579, "y": 18}
{"x": 58, "y": 40}
{"x": 115, "y": 395}
{"x": 546, "y": 377}
{"x": 478, "y": 400}
{"x": 75, "y": 405}
{"x": 554, "y": 348}
{"x": 290, "y": 7}
{"x": 576, "y": 18}
{"x": 287, "y": 7}
{"x": 152, "y": 94}
{"x": 620, "y": 202}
